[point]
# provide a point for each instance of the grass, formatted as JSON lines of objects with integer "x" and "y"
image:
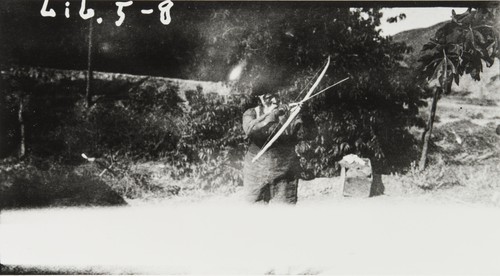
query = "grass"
{"x": 441, "y": 176}
{"x": 464, "y": 182}
{"x": 477, "y": 116}
{"x": 37, "y": 184}
{"x": 480, "y": 101}
{"x": 463, "y": 164}
{"x": 26, "y": 186}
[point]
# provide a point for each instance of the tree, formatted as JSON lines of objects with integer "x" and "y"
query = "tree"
{"x": 15, "y": 97}
{"x": 367, "y": 115}
{"x": 459, "y": 47}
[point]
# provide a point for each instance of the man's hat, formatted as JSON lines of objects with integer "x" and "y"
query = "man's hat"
{"x": 263, "y": 88}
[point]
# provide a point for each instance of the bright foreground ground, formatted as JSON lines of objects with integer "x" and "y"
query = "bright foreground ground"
{"x": 381, "y": 235}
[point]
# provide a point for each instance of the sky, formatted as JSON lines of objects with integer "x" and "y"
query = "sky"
{"x": 415, "y": 18}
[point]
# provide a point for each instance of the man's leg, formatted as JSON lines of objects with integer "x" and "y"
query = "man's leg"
{"x": 285, "y": 190}
{"x": 254, "y": 189}
{"x": 256, "y": 179}
{"x": 257, "y": 193}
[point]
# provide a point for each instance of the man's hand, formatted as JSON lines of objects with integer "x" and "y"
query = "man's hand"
{"x": 282, "y": 109}
{"x": 276, "y": 113}
{"x": 269, "y": 108}
{"x": 272, "y": 116}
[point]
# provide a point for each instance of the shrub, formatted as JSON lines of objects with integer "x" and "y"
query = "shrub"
{"x": 213, "y": 143}
{"x": 23, "y": 185}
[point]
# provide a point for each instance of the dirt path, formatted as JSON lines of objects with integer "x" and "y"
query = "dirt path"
{"x": 220, "y": 235}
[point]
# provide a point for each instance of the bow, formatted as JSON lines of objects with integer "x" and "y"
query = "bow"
{"x": 305, "y": 100}
{"x": 294, "y": 112}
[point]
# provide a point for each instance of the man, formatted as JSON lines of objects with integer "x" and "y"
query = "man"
{"x": 273, "y": 176}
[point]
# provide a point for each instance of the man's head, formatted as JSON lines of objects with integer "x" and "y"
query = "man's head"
{"x": 269, "y": 99}
{"x": 266, "y": 94}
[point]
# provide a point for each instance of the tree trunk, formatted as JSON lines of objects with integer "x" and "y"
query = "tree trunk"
{"x": 426, "y": 136}
{"x": 90, "y": 73}
{"x": 20, "y": 118}
{"x": 428, "y": 131}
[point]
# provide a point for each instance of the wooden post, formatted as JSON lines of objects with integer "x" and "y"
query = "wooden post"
{"x": 20, "y": 118}
{"x": 90, "y": 73}
{"x": 342, "y": 178}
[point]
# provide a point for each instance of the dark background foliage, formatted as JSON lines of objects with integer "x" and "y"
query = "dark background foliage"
{"x": 283, "y": 44}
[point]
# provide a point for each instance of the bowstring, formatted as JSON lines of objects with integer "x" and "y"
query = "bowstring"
{"x": 307, "y": 84}
{"x": 273, "y": 131}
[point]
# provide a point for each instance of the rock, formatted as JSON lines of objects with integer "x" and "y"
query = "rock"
{"x": 357, "y": 176}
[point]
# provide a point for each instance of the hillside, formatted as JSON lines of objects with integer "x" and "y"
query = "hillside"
{"x": 486, "y": 88}
{"x": 416, "y": 38}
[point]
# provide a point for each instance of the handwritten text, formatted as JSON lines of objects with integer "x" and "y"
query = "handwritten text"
{"x": 87, "y": 13}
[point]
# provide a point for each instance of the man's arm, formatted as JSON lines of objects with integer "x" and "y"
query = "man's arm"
{"x": 259, "y": 127}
